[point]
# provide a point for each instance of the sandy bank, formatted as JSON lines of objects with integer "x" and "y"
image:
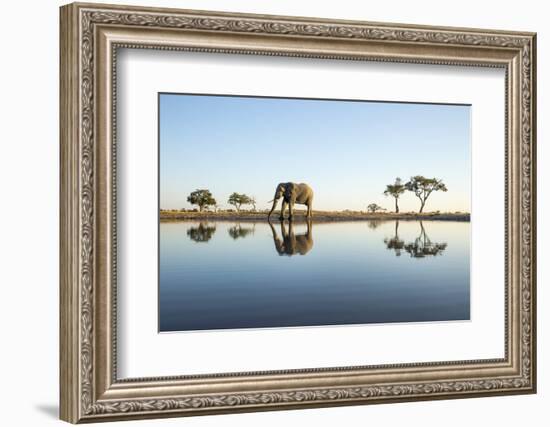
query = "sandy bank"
{"x": 318, "y": 216}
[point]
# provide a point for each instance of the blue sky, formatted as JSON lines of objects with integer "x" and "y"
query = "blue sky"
{"x": 346, "y": 151}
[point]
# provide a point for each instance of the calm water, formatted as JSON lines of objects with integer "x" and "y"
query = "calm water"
{"x": 223, "y": 275}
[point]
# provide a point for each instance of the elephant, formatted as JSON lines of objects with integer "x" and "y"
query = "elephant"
{"x": 292, "y": 193}
{"x": 292, "y": 244}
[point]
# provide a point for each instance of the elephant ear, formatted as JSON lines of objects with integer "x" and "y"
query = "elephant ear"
{"x": 290, "y": 189}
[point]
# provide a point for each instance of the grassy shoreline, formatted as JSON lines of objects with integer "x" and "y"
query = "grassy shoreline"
{"x": 318, "y": 216}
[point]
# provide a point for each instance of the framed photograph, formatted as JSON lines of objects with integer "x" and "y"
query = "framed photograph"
{"x": 267, "y": 212}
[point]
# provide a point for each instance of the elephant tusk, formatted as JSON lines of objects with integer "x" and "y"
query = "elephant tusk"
{"x": 270, "y": 200}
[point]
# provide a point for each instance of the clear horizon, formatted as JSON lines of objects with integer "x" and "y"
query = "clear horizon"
{"x": 347, "y": 151}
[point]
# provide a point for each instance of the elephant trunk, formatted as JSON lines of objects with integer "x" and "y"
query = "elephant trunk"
{"x": 275, "y": 200}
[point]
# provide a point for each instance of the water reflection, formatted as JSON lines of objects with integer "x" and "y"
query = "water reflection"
{"x": 373, "y": 224}
{"x": 238, "y": 231}
{"x": 237, "y": 280}
{"x": 289, "y": 243}
{"x": 292, "y": 243}
{"x": 395, "y": 243}
{"x": 202, "y": 233}
{"x": 421, "y": 247}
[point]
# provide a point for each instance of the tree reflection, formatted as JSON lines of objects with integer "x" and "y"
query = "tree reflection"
{"x": 202, "y": 233}
{"x": 395, "y": 242}
{"x": 421, "y": 247}
{"x": 290, "y": 243}
{"x": 373, "y": 224}
{"x": 238, "y": 231}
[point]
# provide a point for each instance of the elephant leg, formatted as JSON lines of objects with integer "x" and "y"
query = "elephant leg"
{"x": 290, "y": 209}
{"x": 283, "y": 207}
{"x": 309, "y": 210}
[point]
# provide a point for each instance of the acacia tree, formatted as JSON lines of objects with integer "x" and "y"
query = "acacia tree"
{"x": 238, "y": 200}
{"x": 373, "y": 207}
{"x": 422, "y": 187}
{"x": 253, "y": 202}
{"x": 395, "y": 190}
{"x": 201, "y": 198}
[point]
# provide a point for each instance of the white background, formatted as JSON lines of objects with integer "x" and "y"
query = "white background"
{"x": 29, "y": 171}
{"x": 145, "y": 353}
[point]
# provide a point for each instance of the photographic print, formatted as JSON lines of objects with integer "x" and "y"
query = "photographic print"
{"x": 288, "y": 212}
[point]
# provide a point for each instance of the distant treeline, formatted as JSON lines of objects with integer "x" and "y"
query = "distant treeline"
{"x": 229, "y": 210}
{"x": 419, "y": 185}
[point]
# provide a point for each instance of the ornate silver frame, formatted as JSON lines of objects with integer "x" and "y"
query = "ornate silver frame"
{"x": 90, "y": 36}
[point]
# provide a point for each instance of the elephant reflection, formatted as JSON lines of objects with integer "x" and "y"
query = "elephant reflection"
{"x": 421, "y": 247}
{"x": 238, "y": 231}
{"x": 201, "y": 234}
{"x": 291, "y": 243}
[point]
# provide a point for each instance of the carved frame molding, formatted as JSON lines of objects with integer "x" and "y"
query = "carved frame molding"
{"x": 90, "y": 36}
